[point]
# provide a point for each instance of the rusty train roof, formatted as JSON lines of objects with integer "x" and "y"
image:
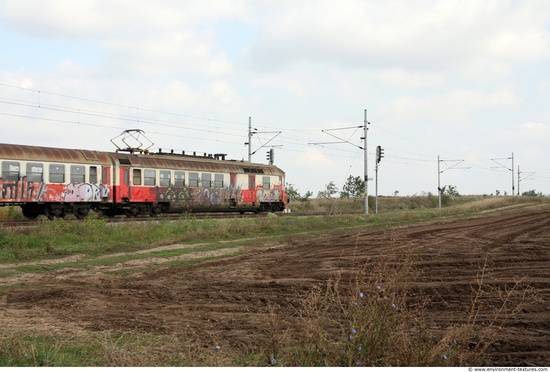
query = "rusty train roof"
{"x": 51, "y": 154}
{"x": 159, "y": 161}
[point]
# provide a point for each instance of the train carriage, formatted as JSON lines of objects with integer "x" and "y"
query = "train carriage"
{"x": 56, "y": 182}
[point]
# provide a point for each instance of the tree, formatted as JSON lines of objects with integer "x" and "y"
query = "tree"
{"x": 532, "y": 193}
{"x": 293, "y": 193}
{"x": 306, "y": 196}
{"x": 329, "y": 192}
{"x": 447, "y": 192}
{"x": 353, "y": 188}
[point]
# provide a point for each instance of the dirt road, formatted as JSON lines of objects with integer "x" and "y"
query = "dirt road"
{"x": 228, "y": 298}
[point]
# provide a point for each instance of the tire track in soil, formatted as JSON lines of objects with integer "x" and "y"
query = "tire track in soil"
{"x": 228, "y": 301}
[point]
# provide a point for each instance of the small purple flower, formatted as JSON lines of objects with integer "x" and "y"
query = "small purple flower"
{"x": 355, "y": 303}
{"x": 378, "y": 288}
{"x": 353, "y": 331}
{"x": 445, "y": 357}
{"x": 358, "y": 363}
{"x": 361, "y": 294}
{"x": 273, "y": 361}
{"x": 395, "y": 307}
{"x": 360, "y": 348}
{"x": 218, "y": 347}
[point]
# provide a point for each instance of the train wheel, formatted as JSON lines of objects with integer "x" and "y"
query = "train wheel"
{"x": 131, "y": 212}
{"x": 81, "y": 213}
{"x": 110, "y": 213}
{"x": 30, "y": 213}
{"x": 155, "y": 210}
{"x": 54, "y": 211}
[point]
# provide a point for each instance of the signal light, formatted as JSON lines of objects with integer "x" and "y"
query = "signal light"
{"x": 270, "y": 156}
{"x": 379, "y": 154}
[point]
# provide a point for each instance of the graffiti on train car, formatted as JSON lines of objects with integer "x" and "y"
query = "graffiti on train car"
{"x": 199, "y": 195}
{"x": 74, "y": 192}
{"x": 20, "y": 190}
{"x": 88, "y": 192}
{"x": 24, "y": 191}
{"x": 271, "y": 195}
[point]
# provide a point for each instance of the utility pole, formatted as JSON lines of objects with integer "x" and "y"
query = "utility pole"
{"x": 366, "y": 166}
{"x": 439, "y": 180}
{"x": 513, "y": 185}
{"x": 249, "y": 143}
{"x": 518, "y": 179}
{"x": 506, "y": 167}
{"x": 439, "y": 191}
{"x": 249, "y": 139}
{"x": 364, "y": 148}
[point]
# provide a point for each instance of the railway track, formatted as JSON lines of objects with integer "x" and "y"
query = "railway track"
{"x": 15, "y": 224}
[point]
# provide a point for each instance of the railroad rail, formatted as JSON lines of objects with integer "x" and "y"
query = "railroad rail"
{"x": 15, "y": 224}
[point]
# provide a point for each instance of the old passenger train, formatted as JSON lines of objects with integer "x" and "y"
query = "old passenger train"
{"x": 56, "y": 182}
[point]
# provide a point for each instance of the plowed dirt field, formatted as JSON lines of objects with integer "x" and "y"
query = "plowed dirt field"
{"x": 229, "y": 297}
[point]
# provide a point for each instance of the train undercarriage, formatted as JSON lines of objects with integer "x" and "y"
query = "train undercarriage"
{"x": 81, "y": 210}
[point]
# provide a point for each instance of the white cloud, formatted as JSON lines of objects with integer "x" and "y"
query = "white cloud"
{"x": 453, "y": 107}
{"x": 420, "y": 35}
{"x": 121, "y": 19}
{"x": 537, "y": 132}
{"x": 314, "y": 159}
{"x": 406, "y": 79}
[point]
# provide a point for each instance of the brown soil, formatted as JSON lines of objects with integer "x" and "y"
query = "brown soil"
{"x": 228, "y": 299}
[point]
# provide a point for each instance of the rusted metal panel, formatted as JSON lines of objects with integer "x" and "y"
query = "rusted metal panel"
{"x": 50, "y": 154}
{"x": 200, "y": 164}
{"x": 190, "y": 163}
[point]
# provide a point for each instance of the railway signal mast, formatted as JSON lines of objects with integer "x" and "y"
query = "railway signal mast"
{"x": 379, "y": 156}
{"x": 271, "y": 156}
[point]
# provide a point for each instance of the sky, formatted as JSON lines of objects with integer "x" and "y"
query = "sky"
{"x": 456, "y": 92}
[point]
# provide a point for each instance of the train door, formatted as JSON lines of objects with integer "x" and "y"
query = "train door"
{"x": 233, "y": 197}
{"x": 124, "y": 187}
{"x": 251, "y": 189}
{"x": 106, "y": 182}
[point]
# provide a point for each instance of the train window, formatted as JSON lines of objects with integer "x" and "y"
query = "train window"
{"x": 93, "y": 174}
{"x": 193, "y": 179}
{"x": 206, "y": 180}
{"x": 218, "y": 181}
{"x": 165, "y": 178}
{"x": 35, "y": 172}
{"x": 136, "y": 179}
{"x": 179, "y": 178}
{"x": 150, "y": 177}
{"x": 105, "y": 175}
{"x": 266, "y": 184}
{"x": 78, "y": 174}
{"x": 57, "y": 173}
{"x": 10, "y": 170}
